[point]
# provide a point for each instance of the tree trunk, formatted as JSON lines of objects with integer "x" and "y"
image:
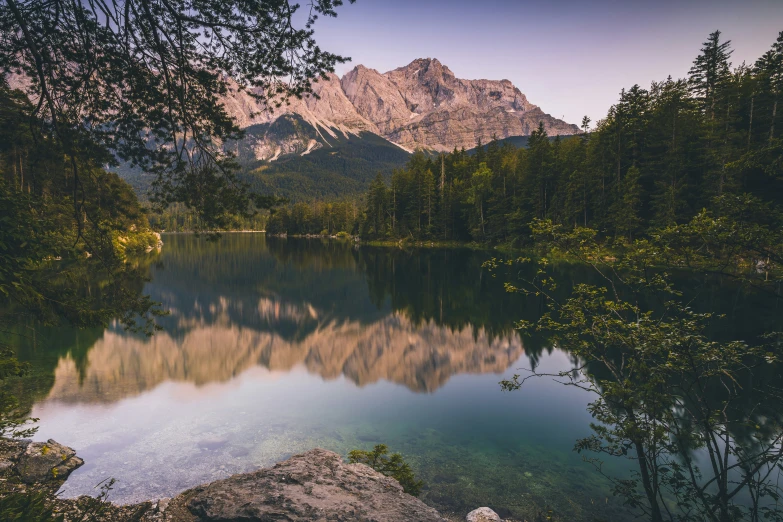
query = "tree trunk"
{"x": 619, "y": 164}
{"x": 394, "y": 210}
{"x": 481, "y": 210}
{"x": 652, "y": 498}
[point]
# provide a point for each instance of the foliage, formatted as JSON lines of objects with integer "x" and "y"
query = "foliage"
{"x": 666, "y": 392}
{"x": 13, "y": 422}
{"x": 28, "y": 507}
{"x": 390, "y": 465}
{"x": 49, "y": 262}
{"x": 141, "y": 81}
{"x": 39, "y": 502}
{"x": 315, "y": 218}
{"x": 177, "y": 218}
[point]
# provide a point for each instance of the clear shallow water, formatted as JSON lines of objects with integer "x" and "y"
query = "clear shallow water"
{"x": 277, "y": 346}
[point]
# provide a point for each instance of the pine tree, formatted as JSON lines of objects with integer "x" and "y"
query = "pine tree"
{"x": 538, "y": 171}
{"x": 480, "y": 186}
{"x": 672, "y": 132}
{"x": 769, "y": 72}
{"x": 377, "y": 203}
{"x": 626, "y": 215}
{"x": 710, "y": 72}
{"x": 429, "y": 198}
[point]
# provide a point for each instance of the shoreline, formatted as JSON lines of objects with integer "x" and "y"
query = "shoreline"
{"x": 171, "y": 232}
{"x": 380, "y": 243}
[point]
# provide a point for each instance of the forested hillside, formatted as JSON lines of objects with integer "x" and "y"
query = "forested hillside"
{"x": 658, "y": 158}
{"x": 64, "y": 240}
{"x": 344, "y": 167}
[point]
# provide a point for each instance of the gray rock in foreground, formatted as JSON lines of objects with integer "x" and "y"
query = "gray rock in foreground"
{"x": 483, "y": 514}
{"x": 40, "y": 461}
{"x": 316, "y": 485}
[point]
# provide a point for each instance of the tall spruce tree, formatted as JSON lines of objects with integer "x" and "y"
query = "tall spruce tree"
{"x": 710, "y": 73}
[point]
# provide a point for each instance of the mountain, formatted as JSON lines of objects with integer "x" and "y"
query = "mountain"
{"x": 425, "y": 105}
{"x": 422, "y": 105}
{"x": 333, "y": 143}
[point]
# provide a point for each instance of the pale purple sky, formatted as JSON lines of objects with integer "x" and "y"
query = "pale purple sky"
{"x": 569, "y": 57}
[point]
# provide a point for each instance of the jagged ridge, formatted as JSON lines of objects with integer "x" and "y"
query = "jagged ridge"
{"x": 421, "y": 105}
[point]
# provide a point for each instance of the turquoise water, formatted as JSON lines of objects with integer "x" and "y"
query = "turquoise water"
{"x": 276, "y": 346}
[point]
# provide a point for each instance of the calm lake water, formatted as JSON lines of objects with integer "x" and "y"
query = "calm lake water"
{"x": 276, "y": 346}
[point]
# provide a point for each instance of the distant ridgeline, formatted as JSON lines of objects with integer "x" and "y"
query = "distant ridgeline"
{"x": 659, "y": 157}
{"x": 342, "y": 167}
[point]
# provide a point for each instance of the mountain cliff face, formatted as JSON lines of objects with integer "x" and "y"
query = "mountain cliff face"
{"x": 421, "y": 105}
{"x": 424, "y": 105}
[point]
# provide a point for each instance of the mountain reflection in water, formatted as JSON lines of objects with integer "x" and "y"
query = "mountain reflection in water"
{"x": 420, "y": 357}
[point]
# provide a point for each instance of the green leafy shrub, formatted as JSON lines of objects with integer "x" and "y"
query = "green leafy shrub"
{"x": 27, "y": 507}
{"x": 390, "y": 465}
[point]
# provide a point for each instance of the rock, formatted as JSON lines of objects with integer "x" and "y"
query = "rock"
{"x": 162, "y": 504}
{"x": 483, "y": 514}
{"x": 316, "y": 485}
{"x": 44, "y": 461}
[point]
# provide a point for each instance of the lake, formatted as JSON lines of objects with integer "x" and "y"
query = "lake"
{"x": 275, "y": 346}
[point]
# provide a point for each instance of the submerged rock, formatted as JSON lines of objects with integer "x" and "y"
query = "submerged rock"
{"x": 483, "y": 514}
{"x": 44, "y": 461}
{"x": 316, "y": 485}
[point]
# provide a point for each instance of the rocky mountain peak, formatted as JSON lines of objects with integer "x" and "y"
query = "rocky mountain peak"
{"x": 420, "y": 105}
{"x": 426, "y": 68}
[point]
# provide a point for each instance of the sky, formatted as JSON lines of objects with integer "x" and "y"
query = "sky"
{"x": 571, "y": 58}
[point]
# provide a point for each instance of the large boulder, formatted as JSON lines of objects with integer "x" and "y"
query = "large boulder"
{"x": 45, "y": 461}
{"x": 483, "y": 514}
{"x": 316, "y": 485}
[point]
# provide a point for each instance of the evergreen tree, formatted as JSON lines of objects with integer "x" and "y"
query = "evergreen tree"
{"x": 710, "y": 73}
{"x": 429, "y": 197}
{"x": 538, "y": 172}
{"x": 626, "y": 215}
{"x": 377, "y": 208}
{"x": 480, "y": 186}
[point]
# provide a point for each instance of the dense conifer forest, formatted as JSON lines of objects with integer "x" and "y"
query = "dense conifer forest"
{"x": 659, "y": 157}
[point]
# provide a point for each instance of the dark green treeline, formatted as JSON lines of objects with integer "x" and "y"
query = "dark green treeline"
{"x": 659, "y": 156}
